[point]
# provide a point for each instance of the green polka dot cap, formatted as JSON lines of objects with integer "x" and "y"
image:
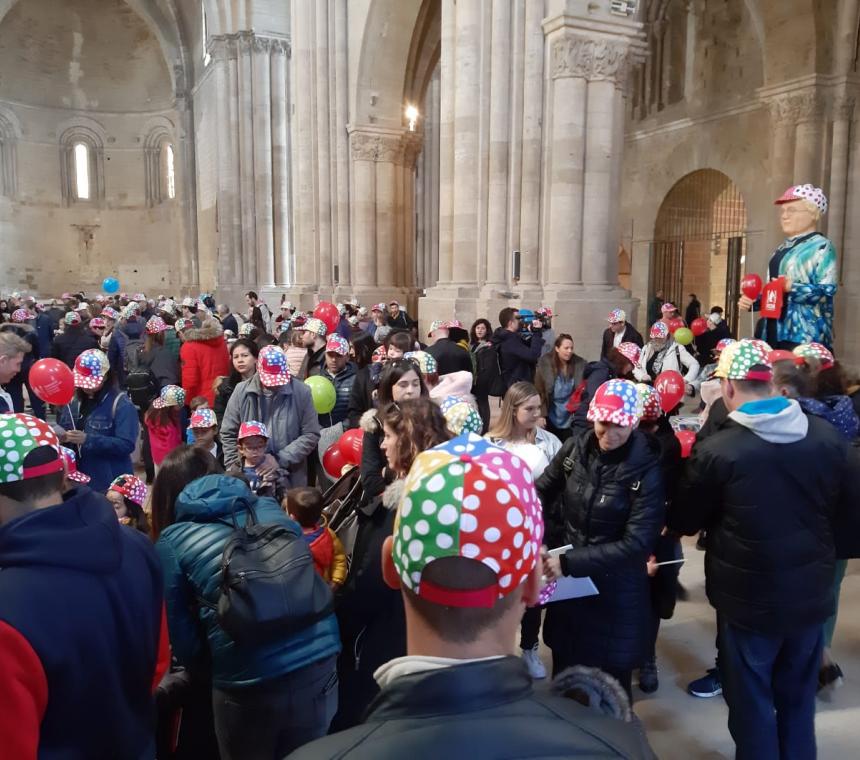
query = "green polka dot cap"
{"x": 745, "y": 360}
{"x": 29, "y": 448}
{"x": 468, "y": 498}
{"x": 461, "y": 416}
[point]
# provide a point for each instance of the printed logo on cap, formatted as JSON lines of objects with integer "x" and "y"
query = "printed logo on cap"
{"x": 272, "y": 367}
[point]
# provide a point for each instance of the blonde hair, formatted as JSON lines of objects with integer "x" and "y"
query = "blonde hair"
{"x": 517, "y": 395}
{"x": 812, "y": 209}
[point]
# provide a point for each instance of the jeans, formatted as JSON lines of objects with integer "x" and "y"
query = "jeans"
{"x": 769, "y": 683}
{"x": 270, "y": 720}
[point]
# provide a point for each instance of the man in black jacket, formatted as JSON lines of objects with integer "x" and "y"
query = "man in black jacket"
{"x": 619, "y": 331}
{"x": 73, "y": 341}
{"x": 449, "y": 356}
{"x": 459, "y": 693}
{"x": 770, "y": 486}
{"x": 518, "y": 359}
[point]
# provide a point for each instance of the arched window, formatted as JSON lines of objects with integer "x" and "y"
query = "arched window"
{"x": 82, "y": 172}
{"x": 82, "y": 164}
{"x": 205, "y": 39}
{"x": 169, "y": 171}
{"x": 159, "y": 163}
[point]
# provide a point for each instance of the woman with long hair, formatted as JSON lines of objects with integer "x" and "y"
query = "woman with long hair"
{"x": 558, "y": 374}
{"x": 372, "y": 622}
{"x": 479, "y": 341}
{"x": 243, "y": 363}
{"x": 517, "y": 429}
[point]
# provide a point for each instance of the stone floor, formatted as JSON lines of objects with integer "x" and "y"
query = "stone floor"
{"x": 682, "y": 727}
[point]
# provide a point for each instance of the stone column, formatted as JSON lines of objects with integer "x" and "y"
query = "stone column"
{"x": 262, "y": 124}
{"x": 323, "y": 162}
{"x": 226, "y": 180}
{"x": 842, "y": 114}
{"x": 281, "y": 165}
{"x": 447, "y": 67}
{"x": 808, "y": 139}
{"x": 783, "y": 117}
{"x": 246, "y": 157}
{"x": 341, "y": 146}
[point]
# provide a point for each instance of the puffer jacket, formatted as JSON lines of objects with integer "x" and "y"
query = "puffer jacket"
{"x": 342, "y": 383}
{"x": 769, "y": 485}
{"x": 204, "y": 358}
{"x": 190, "y": 552}
{"x": 612, "y": 510}
{"x": 294, "y": 427}
{"x": 594, "y": 374}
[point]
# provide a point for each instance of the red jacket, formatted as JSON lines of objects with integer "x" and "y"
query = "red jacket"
{"x": 204, "y": 358}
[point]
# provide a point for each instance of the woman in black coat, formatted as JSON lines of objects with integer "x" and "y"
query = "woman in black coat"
{"x": 611, "y": 512}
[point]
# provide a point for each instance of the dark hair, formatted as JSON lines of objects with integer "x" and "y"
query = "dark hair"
{"x": 253, "y": 349}
{"x": 108, "y": 384}
{"x": 167, "y": 415}
{"x": 136, "y": 516}
{"x": 257, "y": 319}
{"x": 153, "y": 340}
{"x": 363, "y": 347}
{"x": 566, "y": 370}
{"x": 473, "y": 339}
{"x": 399, "y": 339}
{"x": 831, "y": 382}
{"x": 506, "y": 315}
{"x": 181, "y": 466}
{"x": 391, "y": 374}
{"x": 305, "y": 505}
{"x": 717, "y": 309}
{"x": 619, "y": 362}
{"x": 32, "y": 489}
{"x": 252, "y": 294}
{"x": 419, "y": 425}
{"x": 796, "y": 378}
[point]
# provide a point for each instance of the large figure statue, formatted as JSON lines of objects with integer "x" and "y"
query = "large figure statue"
{"x": 807, "y": 261}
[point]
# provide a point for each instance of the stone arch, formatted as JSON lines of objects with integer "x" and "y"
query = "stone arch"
{"x": 91, "y": 133}
{"x": 157, "y": 132}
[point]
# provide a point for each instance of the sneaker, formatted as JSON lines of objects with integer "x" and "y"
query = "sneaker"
{"x": 707, "y": 686}
{"x": 648, "y": 681}
{"x": 533, "y": 662}
{"x": 830, "y": 676}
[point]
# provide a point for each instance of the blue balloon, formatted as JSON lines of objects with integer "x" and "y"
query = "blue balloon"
{"x": 110, "y": 285}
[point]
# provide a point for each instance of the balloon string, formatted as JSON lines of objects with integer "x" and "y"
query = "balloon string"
{"x": 752, "y": 322}
{"x": 71, "y": 416}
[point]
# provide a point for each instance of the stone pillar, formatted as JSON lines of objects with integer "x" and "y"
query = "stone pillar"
{"x": 246, "y": 157}
{"x": 447, "y": 66}
{"x": 262, "y": 125}
{"x": 226, "y": 179}
{"x": 323, "y": 144}
{"x": 340, "y": 189}
{"x": 808, "y": 139}
{"x": 281, "y": 165}
{"x": 781, "y": 165}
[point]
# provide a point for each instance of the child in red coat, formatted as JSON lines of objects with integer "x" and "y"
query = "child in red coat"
{"x": 305, "y": 507}
{"x": 163, "y": 423}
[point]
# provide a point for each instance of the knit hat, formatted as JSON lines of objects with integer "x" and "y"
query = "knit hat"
{"x": 744, "y": 360}
{"x": 651, "y": 408}
{"x": 272, "y": 367}
{"x": 20, "y": 315}
{"x": 316, "y": 326}
{"x": 616, "y": 401}
{"x": 426, "y": 362}
{"x": 156, "y": 325}
{"x": 804, "y": 193}
{"x": 71, "y": 463}
{"x": 171, "y": 395}
{"x": 337, "y": 344}
{"x": 90, "y": 369}
{"x": 108, "y": 312}
{"x": 252, "y": 428}
{"x": 203, "y": 418}
{"x": 724, "y": 343}
{"x": 659, "y": 330}
{"x": 183, "y": 324}
{"x": 461, "y": 416}
{"x": 630, "y": 351}
{"x": 72, "y": 318}
{"x": 436, "y": 324}
{"x": 667, "y": 307}
{"x": 468, "y": 498}
{"x": 131, "y": 487}
{"x": 380, "y": 355}
{"x": 815, "y": 351}
{"x": 616, "y": 316}
{"x": 29, "y": 448}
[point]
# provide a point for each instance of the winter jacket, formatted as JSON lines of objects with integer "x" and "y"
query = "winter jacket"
{"x": 342, "y": 382}
{"x": 293, "y": 424}
{"x": 71, "y": 343}
{"x": 707, "y": 341}
{"x": 458, "y": 384}
{"x": 172, "y": 343}
{"x": 837, "y": 410}
{"x": 45, "y": 333}
{"x": 481, "y": 710}
{"x": 112, "y": 427}
{"x": 162, "y": 440}
{"x": 117, "y": 341}
{"x": 546, "y": 374}
{"x": 594, "y": 374}
{"x": 328, "y": 552}
{"x": 190, "y": 551}
{"x": 400, "y": 322}
{"x": 768, "y": 486}
{"x": 374, "y": 465}
{"x": 80, "y": 616}
{"x": 612, "y": 510}
{"x": 361, "y": 394}
{"x": 631, "y": 335}
{"x": 313, "y": 363}
{"x": 296, "y": 359}
{"x": 450, "y": 357}
{"x": 517, "y": 358}
{"x": 204, "y": 358}
{"x": 222, "y": 397}
{"x": 163, "y": 365}
{"x": 671, "y": 357}
{"x": 27, "y": 333}
{"x": 229, "y": 323}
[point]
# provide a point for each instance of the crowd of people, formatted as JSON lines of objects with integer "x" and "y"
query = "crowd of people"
{"x": 185, "y": 576}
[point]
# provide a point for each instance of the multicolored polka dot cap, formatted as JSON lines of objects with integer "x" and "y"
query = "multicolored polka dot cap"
{"x": 659, "y": 331}
{"x": 203, "y": 418}
{"x": 630, "y": 351}
{"x": 651, "y": 408}
{"x": 71, "y": 463}
{"x": 97, "y": 323}
{"x": 616, "y": 401}
{"x": 668, "y": 308}
{"x": 468, "y": 498}
{"x": 804, "y": 193}
{"x": 131, "y": 487}
{"x": 156, "y": 325}
{"x": 426, "y": 362}
{"x": 380, "y": 307}
{"x": 108, "y": 312}
{"x": 815, "y": 351}
{"x": 436, "y": 324}
{"x": 183, "y": 324}
{"x": 762, "y": 344}
{"x": 724, "y": 343}
{"x": 616, "y": 316}
{"x": 29, "y": 448}
{"x": 745, "y": 360}
{"x": 272, "y": 367}
{"x": 245, "y": 330}
{"x": 171, "y": 395}
{"x": 20, "y": 315}
{"x": 337, "y": 344}
{"x": 90, "y": 369}
{"x": 251, "y": 428}
{"x": 316, "y": 326}
{"x": 72, "y": 318}
{"x": 461, "y": 416}
{"x": 380, "y": 355}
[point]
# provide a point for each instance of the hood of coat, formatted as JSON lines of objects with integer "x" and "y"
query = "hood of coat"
{"x": 775, "y": 420}
{"x": 837, "y": 410}
{"x": 208, "y": 332}
{"x": 213, "y": 497}
{"x": 133, "y": 330}
{"x": 597, "y": 690}
{"x": 601, "y": 365}
{"x": 453, "y": 384}
{"x": 369, "y": 422}
{"x": 392, "y": 495}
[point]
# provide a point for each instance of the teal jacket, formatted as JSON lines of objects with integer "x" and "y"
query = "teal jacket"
{"x": 190, "y": 552}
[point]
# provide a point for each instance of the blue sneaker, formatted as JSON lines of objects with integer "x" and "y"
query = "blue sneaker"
{"x": 707, "y": 686}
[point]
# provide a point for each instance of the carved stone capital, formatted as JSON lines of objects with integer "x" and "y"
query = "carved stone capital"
{"x": 842, "y": 108}
{"x": 573, "y": 55}
{"x": 224, "y": 47}
{"x": 369, "y": 146}
{"x": 412, "y": 144}
{"x": 795, "y": 108}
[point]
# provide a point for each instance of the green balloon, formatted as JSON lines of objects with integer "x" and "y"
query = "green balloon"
{"x": 684, "y": 336}
{"x": 323, "y": 393}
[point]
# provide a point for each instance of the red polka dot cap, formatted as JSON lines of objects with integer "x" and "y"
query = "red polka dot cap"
{"x": 203, "y": 418}
{"x": 29, "y": 448}
{"x": 131, "y": 487}
{"x": 272, "y": 367}
{"x": 156, "y": 325}
{"x": 380, "y": 355}
{"x": 71, "y": 462}
{"x": 651, "y": 409}
{"x": 659, "y": 331}
{"x": 630, "y": 351}
{"x": 108, "y": 312}
{"x": 805, "y": 192}
{"x": 20, "y": 315}
{"x": 90, "y": 369}
{"x": 815, "y": 351}
{"x": 616, "y": 401}
{"x": 723, "y": 344}
{"x": 252, "y": 428}
{"x": 468, "y": 498}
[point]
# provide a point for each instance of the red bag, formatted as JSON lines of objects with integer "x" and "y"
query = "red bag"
{"x": 575, "y": 399}
{"x": 772, "y": 297}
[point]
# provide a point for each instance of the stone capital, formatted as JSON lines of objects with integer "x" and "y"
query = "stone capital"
{"x": 594, "y": 59}
{"x": 842, "y": 108}
{"x": 795, "y": 108}
{"x": 224, "y": 47}
{"x": 366, "y": 145}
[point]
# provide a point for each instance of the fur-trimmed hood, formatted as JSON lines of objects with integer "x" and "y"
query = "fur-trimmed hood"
{"x": 202, "y": 334}
{"x": 594, "y": 689}
{"x": 392, "y": 495}
{"x": 369, "y": 422}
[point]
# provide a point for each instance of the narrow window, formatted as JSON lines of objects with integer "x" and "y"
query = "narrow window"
{"x": 171, "y": 175}
{"x": 82, "y": 172}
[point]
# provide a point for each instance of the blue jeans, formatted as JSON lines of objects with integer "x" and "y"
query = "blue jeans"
{"x": 769, "y": 683}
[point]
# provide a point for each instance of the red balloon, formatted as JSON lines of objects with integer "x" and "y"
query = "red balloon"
{"x": 751, "y": 286}
{"x": 52, "y": 381}
{"x": 699, "y": 326}
{"x": 328, "y": 313}
{"x": 687, "y": 439}
{"x": 671, "y": 386}
{"x": 333, "y": 461}
{"x": 351, "y": 445}
{"x": 675, "y": 324}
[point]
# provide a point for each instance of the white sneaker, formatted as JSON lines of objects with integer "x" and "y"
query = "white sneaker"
{"x": 533, "y": 662}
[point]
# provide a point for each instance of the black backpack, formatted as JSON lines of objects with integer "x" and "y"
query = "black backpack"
{"x": 269, "y": 586}
{"x": 489, "y": 380}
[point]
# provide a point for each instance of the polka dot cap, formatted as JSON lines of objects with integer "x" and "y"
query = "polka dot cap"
{"x": 616, "y": 401}
{"x": 20, "y": 315}
{"x": 435, "y": 325}
{"x": 745, "y": 360}
{"x": 461, "y": 416}
{"x": 337, "y": 344}
{"x": 616, "y": 316}
{"x": 651, "y": 409}
{"x": 380, "y": 355}
{"x": 156, "y": 325}
{"x": 630, "y": 351}
{"x": 171, "y": 395}
{"x": 245, "y": 330}
{"x": 110, "y": 313}
{"x": 71, "y": 463}
{"x": 380, "y": 307}
{"x": 468, "y": 498}
{"x": 252, "y": 428}
{"x": 72, "y": 318}
{"x": 21, "y": 436}
{"x": 272, "y": 367}
{"x": 139, "y": 297}
{"x": 667, "y": 308}
{"x": 203, "y": 418}
{"x": 806, "y": 193}
{"x": 97, "y": 322}
{"x": 183, "y": 324}
{"x": 454, "y": 324}
{"x": 659, "y": 331}
{"x": 762, "y": 344}
{"x": 90, "y": 369}
{"x": 316, "y": 326}
{"x": 815, "y": 351}
{"x": 131, "y": 487}
{"x": 724, "y": 343}
{"x": 426, "y": 362}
